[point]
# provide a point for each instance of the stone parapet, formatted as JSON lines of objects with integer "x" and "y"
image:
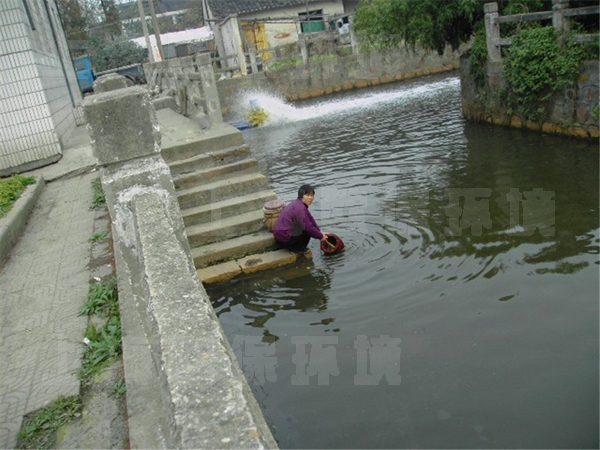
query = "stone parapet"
{"x": 184, "y": 386}
{"x": 190, "y": 81}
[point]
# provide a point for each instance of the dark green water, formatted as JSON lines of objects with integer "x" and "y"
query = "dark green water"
{"x": 495, "y": 330}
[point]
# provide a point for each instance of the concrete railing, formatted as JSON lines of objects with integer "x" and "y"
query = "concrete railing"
{"x": 560, "y": 15}
{"x": 190, "y": 81}
{"x": 185, "y": 388}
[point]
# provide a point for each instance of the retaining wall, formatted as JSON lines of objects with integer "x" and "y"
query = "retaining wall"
{"x": 571, "y": 111}
{"x": 340, "y": 73}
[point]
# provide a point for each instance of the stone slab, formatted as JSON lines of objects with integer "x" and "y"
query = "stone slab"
{"x": 219, "y": 273}
{"x": 270, "y": 260}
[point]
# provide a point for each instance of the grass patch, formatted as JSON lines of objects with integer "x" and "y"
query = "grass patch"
{"x": 38, "y": 429}
{"x": 10, "y": 191}
{"x": 99, "y": 199}
{"x": 103, "y": 344}
{"x": 102, "y": 299}
{"x": 98, "y": 236}
{"x": 120, "y": 388}
{"x": 285, "y": 63}
{"x": 103, "y": 347}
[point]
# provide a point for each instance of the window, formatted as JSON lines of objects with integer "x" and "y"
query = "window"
{"x": 312, "y": 21}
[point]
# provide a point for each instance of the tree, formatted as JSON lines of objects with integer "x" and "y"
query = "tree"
{"x": 112, "y": 21}
{"x": 431, "y": 23}
{"x": 110, "y": 55}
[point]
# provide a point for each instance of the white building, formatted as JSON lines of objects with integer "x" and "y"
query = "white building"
{"x": 264, "y": 24}
{"x": 38, "y": 85}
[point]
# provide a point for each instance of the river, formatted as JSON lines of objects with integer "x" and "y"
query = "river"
{"x": 463, "y": 312}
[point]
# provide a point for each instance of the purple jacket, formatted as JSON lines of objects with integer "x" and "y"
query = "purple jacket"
{"x": 294, "y": 219}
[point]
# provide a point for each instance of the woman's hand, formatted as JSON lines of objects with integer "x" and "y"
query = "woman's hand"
{"x": 325, "y": 236}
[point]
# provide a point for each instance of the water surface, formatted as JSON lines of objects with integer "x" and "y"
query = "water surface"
{"x": 497, "y": 322}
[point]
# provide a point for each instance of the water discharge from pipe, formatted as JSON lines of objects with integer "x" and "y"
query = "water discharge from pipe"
{"x": 279, "y": 111}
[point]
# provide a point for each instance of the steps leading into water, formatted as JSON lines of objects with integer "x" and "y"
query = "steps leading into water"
{"x": 210, "y": 159}
{"x": 226, "y": 208}
{"x": 219, "y": 273}
{"x": 221, "y": 194}
{"x": 216, "y": 173}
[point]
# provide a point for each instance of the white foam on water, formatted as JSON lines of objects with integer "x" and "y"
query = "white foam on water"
{"x": 280, "y": 111}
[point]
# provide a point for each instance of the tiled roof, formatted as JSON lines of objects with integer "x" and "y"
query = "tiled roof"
{"x": 224, "y": 8}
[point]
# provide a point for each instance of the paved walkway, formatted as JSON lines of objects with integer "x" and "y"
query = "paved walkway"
{"x": 42, "y": 286}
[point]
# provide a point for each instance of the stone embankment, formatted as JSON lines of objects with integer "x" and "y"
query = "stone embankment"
{"x": 340, "y": 73}
{"x": 571, "y": 111}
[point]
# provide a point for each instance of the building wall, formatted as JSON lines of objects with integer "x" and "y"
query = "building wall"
{"x": 276, "y": 31}
{"x": 36, "y": 103}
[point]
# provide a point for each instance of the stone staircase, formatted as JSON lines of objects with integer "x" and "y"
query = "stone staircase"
{"x": 221, "y": 194}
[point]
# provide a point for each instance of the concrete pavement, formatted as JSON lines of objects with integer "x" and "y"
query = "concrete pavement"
{"x": 42, "y": 285}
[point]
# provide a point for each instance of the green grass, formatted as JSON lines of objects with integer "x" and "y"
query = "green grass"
{"x": 103, "y": 348}
{"x": 103, "y": 344}
{"x": 285, "y": 63}
{"x": 10, "y": 191}
{"x": 38, "y": 429}
{"x": 99, "y": 199}
{"x": 120, "y": 388}
{"x": 102, "y": 299}
{"x": 98, "y": 236}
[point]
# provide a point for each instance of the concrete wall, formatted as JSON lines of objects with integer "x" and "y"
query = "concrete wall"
{"x": 38, "y": 86}
{"x": 571, "y": 111}
{"x": 340, "y": 74}
{"x": 185, "y": 388}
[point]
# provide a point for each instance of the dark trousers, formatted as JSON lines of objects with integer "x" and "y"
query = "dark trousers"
{"x": 297, "y": 243}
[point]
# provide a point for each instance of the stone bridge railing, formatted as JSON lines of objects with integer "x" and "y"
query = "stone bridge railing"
{"x": 185, "y": 388}
{"x": 190, "y": 81}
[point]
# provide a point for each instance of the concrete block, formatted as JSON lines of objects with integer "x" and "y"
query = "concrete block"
{"x": 219, "y": 273}
{"x": 122, "y": 125}
{"x": 109, "y": 82}
{"x": 270, "y": 260}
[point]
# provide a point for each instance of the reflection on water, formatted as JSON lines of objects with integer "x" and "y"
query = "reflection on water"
{"x": 476, "y": 246}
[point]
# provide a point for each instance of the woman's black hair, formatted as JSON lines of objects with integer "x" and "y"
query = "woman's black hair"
{"x": 305, "y": 189}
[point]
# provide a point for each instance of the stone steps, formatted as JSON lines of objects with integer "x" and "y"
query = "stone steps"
{"x": 212, "y": 174}
{"x": 210, "y": 159}
{"x": 221, "y": 194}
{"x": 228, "y": 228}
{"x": 225, "y": 271}
{"x": 221, "y": 190}
{"x": 212, "y": 141}
{"x": 234, "y": 248}
{"x": 227, "y": 208}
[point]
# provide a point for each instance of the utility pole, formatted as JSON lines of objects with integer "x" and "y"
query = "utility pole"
{"x": 156, "y": 29}
{"x": 145, "y": 29}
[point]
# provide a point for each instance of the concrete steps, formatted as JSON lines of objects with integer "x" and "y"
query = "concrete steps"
{"x": 234, "y": 248}
{"x": 219, "y": 230}
{"x": 210, "y": 159}
{"x": 226, "y": 208}
{"x": 221, "y": 190}
{"x": 217, "y": 173}
{"x": 221, "y": 194}
{"x": 225, "y": 271}
{"x": 222, "y": 137}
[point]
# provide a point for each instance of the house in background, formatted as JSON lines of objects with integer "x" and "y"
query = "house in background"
{"x": 38, "y": 85}
{"x": 178, "y": 44}
{"x": 261, "y": 24}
